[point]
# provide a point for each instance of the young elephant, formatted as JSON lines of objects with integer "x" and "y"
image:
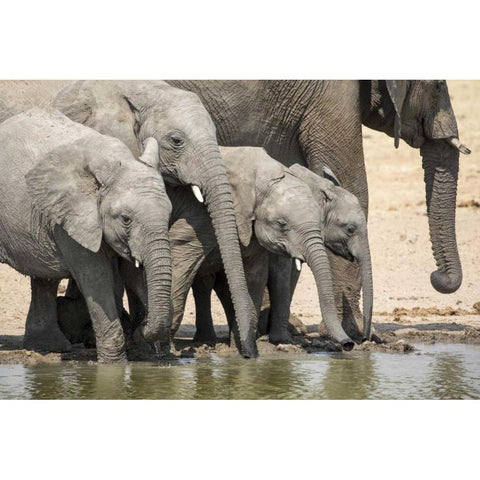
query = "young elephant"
{"x": 71, "y": 201}
{"x": 189, "y": 155}
{"x": 276, "y": 212}
{"x": 282, "y": 217}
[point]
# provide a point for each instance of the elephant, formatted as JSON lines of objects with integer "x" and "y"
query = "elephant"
{"x": 72, "y": 202}
{"x": 345, "y": 234}
{"x": 17, "y": 96}
{"x": 189, "y": 155}
{"x": 318, "y": 123}
{"x": 286, "y": 211}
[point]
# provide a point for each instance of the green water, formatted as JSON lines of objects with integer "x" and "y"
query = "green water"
{"x": 438, "y": 371}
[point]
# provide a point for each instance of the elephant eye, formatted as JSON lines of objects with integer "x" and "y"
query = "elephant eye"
{"x": 282, "y": 224}
{"x": 176, "y": 140}
{"x": 351, "y": 229}
{"x": 126, "y": 219}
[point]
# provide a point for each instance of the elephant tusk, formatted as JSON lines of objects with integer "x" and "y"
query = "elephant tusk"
{"x": 298, "y": 264}
{"x": 198, "y": 194}
{"x": 137, "y": 263}
{"x": 455, "y": 142}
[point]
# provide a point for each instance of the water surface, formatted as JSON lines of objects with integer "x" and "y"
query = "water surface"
{"x": 441, "y": 371}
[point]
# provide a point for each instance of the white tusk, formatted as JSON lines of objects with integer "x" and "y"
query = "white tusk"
{"x": 298, "y": 264}
{"x": 137, "y": 263}
{"x": 455, "y": 142}
{"x": 198, "y": 194}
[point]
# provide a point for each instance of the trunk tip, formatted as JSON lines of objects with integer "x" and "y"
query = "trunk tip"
{"x": 445, "y": 283}
{"x": 347, "y": 345}
{"x": 249, "y": 350}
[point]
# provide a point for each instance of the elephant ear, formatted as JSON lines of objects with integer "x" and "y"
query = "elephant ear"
{"x": 66, "y": 192}
{"x": 102, "y": 106}
{"x": 322, "y": 188}
{"x": 244, "y": 199}
{"x": 397, "y": 89}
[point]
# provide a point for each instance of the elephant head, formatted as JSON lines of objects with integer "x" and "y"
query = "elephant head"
{"x": 189, "y": 155}
{"x": 96, "y": 191}
{"x": 346, "y": 231}
{"x": 280, "y": 209}
{"x": 420, "y": 113}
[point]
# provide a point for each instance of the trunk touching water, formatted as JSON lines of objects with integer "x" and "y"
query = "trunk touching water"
{"x": 440, "y": 163}
{"x": 215, "y": 187}
{"x": 365, "y": 264}
{"x": 317, "y": 260}
{"x": 157, "y": 265}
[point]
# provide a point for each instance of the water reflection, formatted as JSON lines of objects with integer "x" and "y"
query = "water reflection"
{"x": 350, "y": 377}
{"x": 439, "y": 371}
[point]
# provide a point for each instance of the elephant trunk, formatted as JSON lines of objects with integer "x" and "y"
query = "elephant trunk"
{"x": 365, "y": 264}
{"x": 158, "y": 275}
{"x": 216, "y": 188}
{"x": 317, "y": 260}
{"x": 440, "y": 163}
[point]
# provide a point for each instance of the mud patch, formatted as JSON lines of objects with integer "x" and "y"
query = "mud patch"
{"x": 425, "y": 312}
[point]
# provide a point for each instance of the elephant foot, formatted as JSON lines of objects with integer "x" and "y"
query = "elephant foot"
{"x": 45, "y": 339}
{"x": 106, "y": 358}
{"x": 282, "y": 336}
{"x": 112, "y": 348}
{"x": 206, "y": 337}
{"x": 111, "y": 355}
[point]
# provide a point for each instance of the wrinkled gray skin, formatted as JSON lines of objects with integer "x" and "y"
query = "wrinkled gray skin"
{"x": 72, "y": 201}
{"x": 344, "y": 229}
{"x": 279, "y": 210}
{"x": 17, "y": 96}
{"x": 189, "y": 155}
{"x": 319, "y": 123}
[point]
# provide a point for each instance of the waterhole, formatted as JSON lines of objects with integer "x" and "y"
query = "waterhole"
{"x": 440, "y": 371}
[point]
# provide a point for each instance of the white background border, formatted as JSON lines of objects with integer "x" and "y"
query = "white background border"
{"x": 242, "y": 39}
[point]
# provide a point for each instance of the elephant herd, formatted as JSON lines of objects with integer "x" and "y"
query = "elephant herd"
{"x": 154, "y": 188}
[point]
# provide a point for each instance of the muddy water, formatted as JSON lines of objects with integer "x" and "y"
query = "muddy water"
{"x": 433, "y": 372}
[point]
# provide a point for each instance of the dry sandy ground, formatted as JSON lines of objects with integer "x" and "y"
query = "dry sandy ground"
{"x": 400, "y": 246}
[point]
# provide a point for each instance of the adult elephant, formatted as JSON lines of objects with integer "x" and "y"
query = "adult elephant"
{"x": 72, "y": 200}
{"x": 189, "y": 155}
{"x": 317, "y": 123}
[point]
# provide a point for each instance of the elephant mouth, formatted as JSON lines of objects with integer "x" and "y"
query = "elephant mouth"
{"x": 343, "y": 252}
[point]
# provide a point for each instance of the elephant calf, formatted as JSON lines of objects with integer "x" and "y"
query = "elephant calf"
{"x": 278, "y": 209}
{"x": 71, "y": 201}
{"x": 295, "y": 213}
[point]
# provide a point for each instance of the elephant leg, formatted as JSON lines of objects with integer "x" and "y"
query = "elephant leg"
{"x": 73, "y": 316}
{"x": 202, "y": 293}
{"x": 95, "y": 278}
{"x": 280, "y": 273}
{"x": 42, "y": 332}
